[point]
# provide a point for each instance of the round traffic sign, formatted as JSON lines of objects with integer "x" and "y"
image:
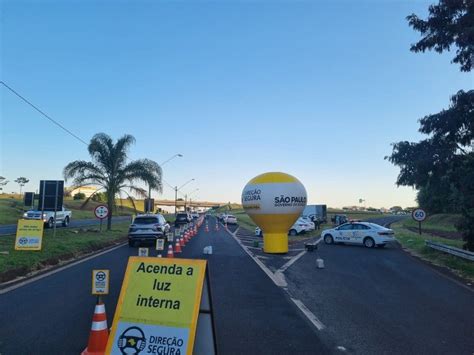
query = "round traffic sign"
{"x": 419, "y": 215}
{"x": 101, "y": 211}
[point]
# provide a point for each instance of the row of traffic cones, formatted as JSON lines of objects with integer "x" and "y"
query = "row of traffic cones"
{"x": 99, "y": 333}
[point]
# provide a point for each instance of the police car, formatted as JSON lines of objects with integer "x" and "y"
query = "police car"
{"x": 364, "y": 233}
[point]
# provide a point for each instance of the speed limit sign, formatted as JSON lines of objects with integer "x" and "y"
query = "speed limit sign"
{"x": 418, "y": 215}
{"x": 101, "y": 211}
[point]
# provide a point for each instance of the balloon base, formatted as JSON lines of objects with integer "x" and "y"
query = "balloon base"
{"x": 275, "y": 243}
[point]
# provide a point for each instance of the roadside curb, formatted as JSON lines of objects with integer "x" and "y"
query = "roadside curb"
{"x": 44, "y": 272}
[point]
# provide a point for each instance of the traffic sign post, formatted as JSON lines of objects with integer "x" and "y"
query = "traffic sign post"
{"x": 419, "y": 215}
{"x": 101, "y": 212}
{"x": 100, "y": 282}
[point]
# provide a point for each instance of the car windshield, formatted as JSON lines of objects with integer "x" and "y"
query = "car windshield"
{"x": 145, "y": 220}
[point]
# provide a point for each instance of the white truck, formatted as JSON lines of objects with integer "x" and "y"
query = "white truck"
{"x": 316, "y": 211}
{"x": 63, "y": 216}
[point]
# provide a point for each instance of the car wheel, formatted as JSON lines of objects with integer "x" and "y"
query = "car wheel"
{"x": 369, "y": 242}
{"x": 293, "y": 232}
{"x": 51, "y": 223}
{"x": 328, "y": 239}
{"x": 66, "y": 222}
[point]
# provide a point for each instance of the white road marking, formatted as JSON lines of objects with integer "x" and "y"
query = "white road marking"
{"x": 279, "y": 279}
{"x": 39, "y": 277}
{"x": 312, "y": 318}
{"x": 291, "y": 261}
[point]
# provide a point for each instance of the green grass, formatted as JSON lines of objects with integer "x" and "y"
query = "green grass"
{"x": 67, "y": 244}
{"x": 416, "y": 245}
{"x": 11, "y": 209}
{"x": 440, "y": 222}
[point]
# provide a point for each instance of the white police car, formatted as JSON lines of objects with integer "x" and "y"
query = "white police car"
{"x": 364, "y": 233}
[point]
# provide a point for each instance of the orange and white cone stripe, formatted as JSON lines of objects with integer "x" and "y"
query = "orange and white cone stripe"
{"x": 99, "y": 333}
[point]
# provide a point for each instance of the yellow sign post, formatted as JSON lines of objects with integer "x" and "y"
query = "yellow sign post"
{"x": 158, "y": 307}
{"x": 29, "y": 235}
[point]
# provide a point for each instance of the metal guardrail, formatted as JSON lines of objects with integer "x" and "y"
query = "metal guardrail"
{"x": 469, "y": 255}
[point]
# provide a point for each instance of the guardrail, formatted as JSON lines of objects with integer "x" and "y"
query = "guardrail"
{"x": 469, "y": 255}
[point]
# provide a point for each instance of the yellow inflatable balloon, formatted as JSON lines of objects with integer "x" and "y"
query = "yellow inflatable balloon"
{"x": 274, "y": 201}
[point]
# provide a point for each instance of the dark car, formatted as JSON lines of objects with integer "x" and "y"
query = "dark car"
{"x": 182, "y": 218}
{"x": 147, "y": 228}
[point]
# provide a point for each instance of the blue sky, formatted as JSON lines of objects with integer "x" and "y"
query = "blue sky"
{"x": 316, "y": 89}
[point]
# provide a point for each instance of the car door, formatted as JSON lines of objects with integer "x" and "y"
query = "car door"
{"x": 344, "y": 233}
{"x": 358, "y": 233}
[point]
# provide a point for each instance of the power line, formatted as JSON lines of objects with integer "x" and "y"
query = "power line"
{"x": 44, "y": 114}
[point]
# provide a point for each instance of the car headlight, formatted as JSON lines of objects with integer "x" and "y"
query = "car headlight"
{"x": 25, "y": 214}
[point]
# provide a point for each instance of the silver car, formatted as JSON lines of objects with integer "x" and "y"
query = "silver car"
{"x": 147, "y": 228}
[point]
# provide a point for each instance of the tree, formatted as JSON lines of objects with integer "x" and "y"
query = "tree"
{"x": 110, "y": 171}
{"x": 22, "y": 181}
{"x": 440, "y": 166}
{"x": 79, "y": 196}
{"x": 3, "y": 182}
{"x": 449, "y": 23}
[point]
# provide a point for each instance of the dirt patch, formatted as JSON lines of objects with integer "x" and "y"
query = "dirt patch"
{"x": 438, "y": 233}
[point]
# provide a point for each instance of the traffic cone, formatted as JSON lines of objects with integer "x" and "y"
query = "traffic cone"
{"x": 181, "y": 242}
{"x": 195, "y": 230}
{"x": 170, "y": 252}
{"x": 177, "y": 246}
{"x": 99, "y": 333}
{"x": 159, "y": 256}
{"x": 207, "y": 227}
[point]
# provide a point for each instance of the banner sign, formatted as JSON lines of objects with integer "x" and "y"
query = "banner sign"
{"x": 158, "y": 307}
{"x": 29, "y": 234}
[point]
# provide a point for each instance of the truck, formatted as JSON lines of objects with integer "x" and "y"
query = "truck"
{"x": 316, "y": 212}
{"x": 63, "y": 216}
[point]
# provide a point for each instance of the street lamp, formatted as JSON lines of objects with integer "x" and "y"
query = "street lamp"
{"x": 186, "y": 197}
{"x": 149, "y": 187}
{"x": 176, "y": 189}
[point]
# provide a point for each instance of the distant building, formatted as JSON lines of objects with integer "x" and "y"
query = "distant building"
{"x": 86, "y": 190}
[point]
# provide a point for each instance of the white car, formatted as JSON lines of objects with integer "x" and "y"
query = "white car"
{"x": 297, "y": 228}
{"x": 364, "y": 233}
{"x": 229, "y": 219}
{"x": 310, "y": 224}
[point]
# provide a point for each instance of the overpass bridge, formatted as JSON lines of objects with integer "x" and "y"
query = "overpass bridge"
{"x": 192, "y": 203}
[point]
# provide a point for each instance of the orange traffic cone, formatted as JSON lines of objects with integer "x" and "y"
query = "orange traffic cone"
{"x": 177, "y": 246}
{"x": 170, "y": 252}
{"x": 99, "y": 333}
{"x": 182, "y": 242}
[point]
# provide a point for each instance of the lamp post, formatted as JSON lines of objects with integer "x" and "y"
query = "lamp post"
{"x": 186, "y": 197}
{"x": 176, "y": 189}
{"x": 148, "y": 207}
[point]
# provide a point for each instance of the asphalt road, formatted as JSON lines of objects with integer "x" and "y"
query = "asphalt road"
{"x": 252, "y": 315}
{"x": 380, "y": 301}
{"x": 8, "y": 229}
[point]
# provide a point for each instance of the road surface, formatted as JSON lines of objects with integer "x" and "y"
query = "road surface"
{"x": 378, "y": 301}
{"x": 252, "y": 315}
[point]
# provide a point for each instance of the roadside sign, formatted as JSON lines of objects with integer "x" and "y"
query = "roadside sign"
{"x": 418, "y": 215}
{"x": 158, "y": 307}
{"x": 101, "y": 211}
{"x": 170, "y": 236}
{"x": 160, "y": 244}
{"x": 29, "y": 234}
{"x": 100, "y": 282}
{"x": 142, "y": 251}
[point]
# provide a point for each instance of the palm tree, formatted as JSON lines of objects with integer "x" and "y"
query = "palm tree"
{"x": 109, "y": 170}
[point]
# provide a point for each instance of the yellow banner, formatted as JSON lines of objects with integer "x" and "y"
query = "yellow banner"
{"x": 158, "y": 307}
{"x": 29, "y": 235}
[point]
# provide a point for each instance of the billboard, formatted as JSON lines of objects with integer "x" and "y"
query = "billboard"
{"x": 51, "y": 195}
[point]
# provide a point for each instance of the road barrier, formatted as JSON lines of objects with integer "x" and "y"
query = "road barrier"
{"x": 461, "y": 253}
{"x": 99, "y": 332}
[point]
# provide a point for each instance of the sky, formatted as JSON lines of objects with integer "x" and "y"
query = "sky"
{"x": 316, "y": 89}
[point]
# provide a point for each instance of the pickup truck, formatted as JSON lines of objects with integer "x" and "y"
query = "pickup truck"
{"x": 62, "y": 216}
